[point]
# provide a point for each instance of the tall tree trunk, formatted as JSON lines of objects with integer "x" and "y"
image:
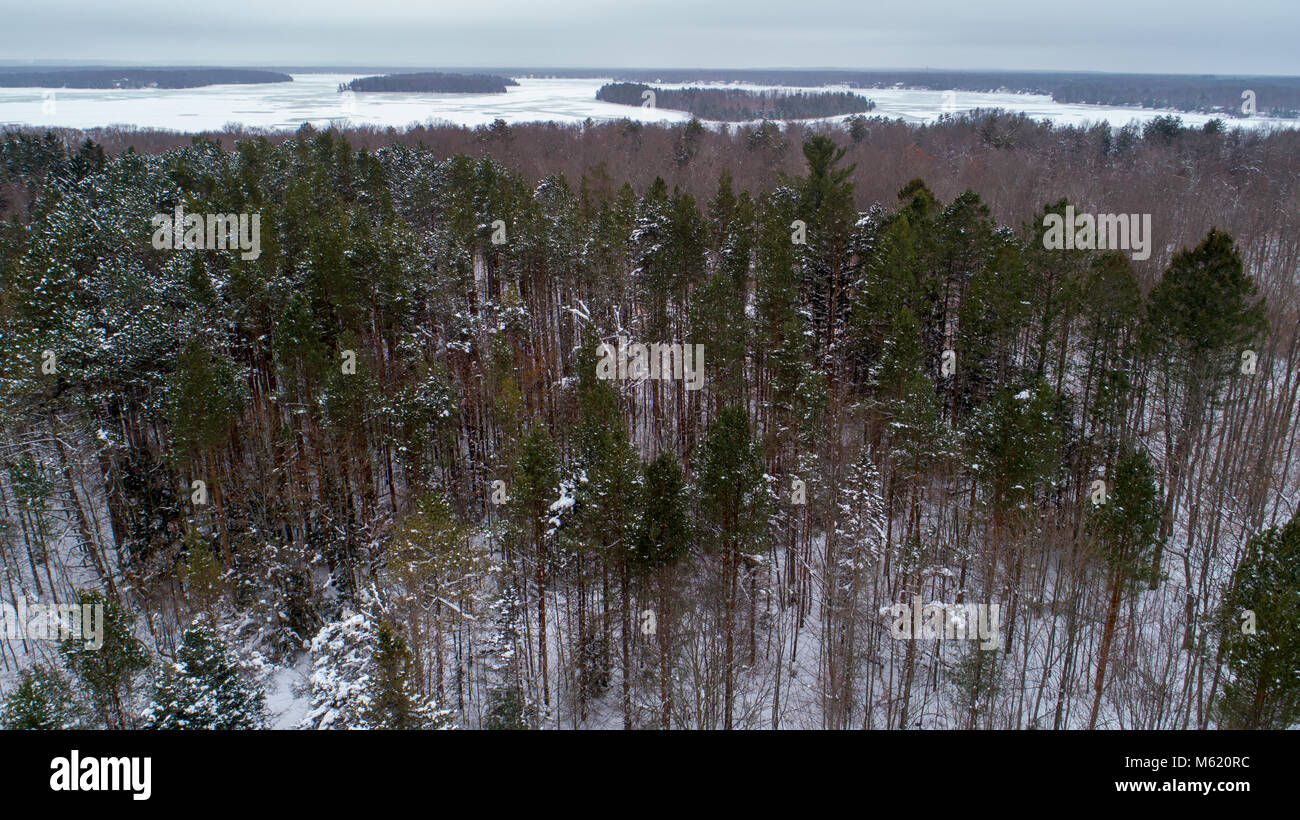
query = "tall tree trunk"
{"x": 1107, "y": 635}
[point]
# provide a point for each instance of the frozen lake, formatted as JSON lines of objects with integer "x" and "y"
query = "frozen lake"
{"x": 314, "y": 98}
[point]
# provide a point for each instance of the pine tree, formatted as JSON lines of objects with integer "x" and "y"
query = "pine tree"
{"x": 392, "y": 697}
{"x": 1014, "y": 440}
{"x": 896, "y": 272}
{"x": 1126, "y": 526}
{"x": 652, "y": 254}
{"x": 993, "y": 314}
{"x": 43, "y": 700}
{"x": 663, "y": 534}
{"x": 1110, "y": 308}
{"x": 606, "y": 475}
{"x": 966, "y": 244}
{"x": 907, "y": 402}
{"x": 662, "y": 539}
{"x": 206, "y": 688}
{"x": 1263, "y": 691}
{"x": 202, "y": 576}
{"x": 340, "y": 652}
{"x": 978, "y": 678}
{"x": 1014, "y": 443}
{"x": 732, "y": 514}
{"x": 826, "y": 206}
{"x": 717, "y": 308}
{"x": 506, "y": 710}
{"x": 1200, "y": 317}
{"x": 203, "y": 400}
{"x": 508, "y": 706}
{"x": 777, "y": 276}
{"x": 534, "y": 486}
{"x": 107, "y": 673}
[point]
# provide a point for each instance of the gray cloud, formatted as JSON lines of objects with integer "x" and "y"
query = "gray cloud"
{"x": 1197, "y": 36}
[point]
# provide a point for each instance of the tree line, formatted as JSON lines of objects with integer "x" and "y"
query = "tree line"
{"x": 733, "y": 104}
{"x": 136, "y": 77}
{"x": 431, "y": 81}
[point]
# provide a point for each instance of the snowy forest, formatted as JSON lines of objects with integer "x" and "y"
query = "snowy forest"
{"x": 738, "y": 105}
{"x": 379, "y": 474}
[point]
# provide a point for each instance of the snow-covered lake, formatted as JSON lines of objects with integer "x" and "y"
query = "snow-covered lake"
{"x": 314, "y": 98}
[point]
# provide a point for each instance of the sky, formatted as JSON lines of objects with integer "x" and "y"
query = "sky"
{"x": 1160, "y": 36}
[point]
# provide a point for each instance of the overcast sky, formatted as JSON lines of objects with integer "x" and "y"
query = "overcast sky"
{"x": 1177, "y": 36}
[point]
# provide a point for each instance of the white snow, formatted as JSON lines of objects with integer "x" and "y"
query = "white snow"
{"x": 314, "y": 98}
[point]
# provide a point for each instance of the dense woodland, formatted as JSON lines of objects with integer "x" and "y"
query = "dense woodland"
{"x": 738, "y": 105}
{"x": 472, "y": 528}
{"x": 135, "y": 77}
{"x": 432, "y": 81}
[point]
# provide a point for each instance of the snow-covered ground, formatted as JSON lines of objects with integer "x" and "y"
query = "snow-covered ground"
{"x": 315, "y": 98}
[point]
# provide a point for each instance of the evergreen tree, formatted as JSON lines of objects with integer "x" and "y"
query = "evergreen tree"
{"x": 826, "y": 206}
{"x": 663, "y": 534}
{"x": 908, "y": 403}
{"x": 717, "y": 307}
{"x": 662, "y": 540}
{"x": 534, "y": 487}
{"x": 732, "y": 515}
{"x": 1126, "y": 526}
{"x": 978, "y": 678}
{"x": 340, "y": 653}
{"x": 652, "y": 253}
{"x": 107, "y": 673}
{"x": 604, "y": 511}
{"x": 777, "y": 273}
{"x": 204, "y": 400}
{"x": 1263, "y": 690}
{"x": 206, "y": 688}
{"x": 392, "y": 698}
{"x": 897, "y": 271}
{"x": 1110, "y": 308}
{"x": 508, "y": 706}
{"x": 1200, "y": 317}
{"x": 43, "y": 700}
{"x": 1014, "y": 443}
{"x": 506, "y": 710}
{"x": 993, "y": 314}
{"x": 202, "y": 576}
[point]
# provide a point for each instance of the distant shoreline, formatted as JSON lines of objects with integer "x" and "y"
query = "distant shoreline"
{"x": 1218, "y": 95}
{"x": 132, "y": 78}
{"x": 738, "y": 105}
{"x": 430, "y": 82}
